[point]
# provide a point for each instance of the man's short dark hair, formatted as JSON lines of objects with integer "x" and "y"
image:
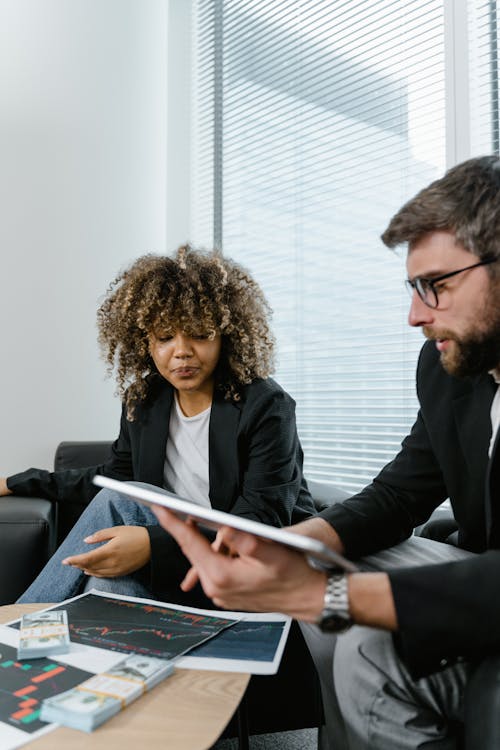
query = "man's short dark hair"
{"x": 466, "y": 201}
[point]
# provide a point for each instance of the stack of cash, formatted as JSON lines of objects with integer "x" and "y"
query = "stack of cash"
{"x": 97, "y": 699}
{"x": 43, "y": 634}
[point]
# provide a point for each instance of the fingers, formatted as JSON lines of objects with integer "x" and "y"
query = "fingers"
{"x": 219, "y": 545}
{"x": 103, "y": 535}
{"x": 86, "y": 560}
{"x": 100, "y": 568}
{"x": 193, "y": 544}
{"x": 196, "y": 547}
{"x": 210, "y": 566}
{"x": 190, "y": 580}
{"x": 251, "y": 577}
{"x": 242, "y": 543}
{"x": 192, "y": 577}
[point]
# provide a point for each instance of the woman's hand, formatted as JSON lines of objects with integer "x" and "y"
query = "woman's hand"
{"x": 126, "y": 550}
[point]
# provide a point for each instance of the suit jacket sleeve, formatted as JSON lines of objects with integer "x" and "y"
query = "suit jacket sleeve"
{"x": 75, "y": 485}
{"x": 447, "y": 612}
{"x": 272, "y": 489}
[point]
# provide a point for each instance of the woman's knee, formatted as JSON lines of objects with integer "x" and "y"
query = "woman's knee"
{"x": 121, "y": 509}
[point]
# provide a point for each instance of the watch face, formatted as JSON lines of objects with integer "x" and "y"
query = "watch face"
{"x": 334, "y": 623}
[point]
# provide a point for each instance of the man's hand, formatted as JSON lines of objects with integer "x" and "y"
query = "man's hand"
{"x": 191, "y": 578}
{"x": 127, "y": 549}
{"x": 4, "y": 490}
{"x": 315, "y": 528}
{"x": 255, "y": 576}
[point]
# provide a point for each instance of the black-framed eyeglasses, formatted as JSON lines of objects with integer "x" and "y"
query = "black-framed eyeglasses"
{"x": 426, "y": 288}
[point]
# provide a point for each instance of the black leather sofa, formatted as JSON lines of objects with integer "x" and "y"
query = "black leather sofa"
{"x": 27, "y": 539}
{"x": 32, "y": 528}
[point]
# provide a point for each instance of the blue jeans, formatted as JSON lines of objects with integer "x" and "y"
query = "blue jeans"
{"x": 57, "y": 582}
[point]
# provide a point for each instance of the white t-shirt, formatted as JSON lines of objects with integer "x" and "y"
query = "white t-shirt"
{"x": 186, "y": 460}
{"x": 495, "y": 411}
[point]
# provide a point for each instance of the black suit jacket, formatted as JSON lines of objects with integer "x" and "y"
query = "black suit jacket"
{"x": 452, "y": 610}
{"x": 255, "y": 466}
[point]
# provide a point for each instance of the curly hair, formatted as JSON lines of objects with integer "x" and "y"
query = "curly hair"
{"x": 466, "y": 200}
{"x": 195, "y": 292}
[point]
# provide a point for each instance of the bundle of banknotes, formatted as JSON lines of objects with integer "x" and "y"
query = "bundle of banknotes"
{"x": 43, "y": 634}
{"x": 102, "y": 696}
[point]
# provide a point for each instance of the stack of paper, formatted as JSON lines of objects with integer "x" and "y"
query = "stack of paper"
{"x": 43, "y": 634}
{"x": 104, "y": 695}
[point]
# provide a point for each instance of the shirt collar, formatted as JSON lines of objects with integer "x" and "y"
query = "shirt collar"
{"x": 495, "y": 374}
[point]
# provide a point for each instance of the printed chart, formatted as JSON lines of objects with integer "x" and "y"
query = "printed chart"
{"x": 134, "y": 627}
{"x": 24, "y": 685}
{"x": 248, "y": 640}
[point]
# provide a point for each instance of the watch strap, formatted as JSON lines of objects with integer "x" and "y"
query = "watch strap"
{"x": 335, "y": 615}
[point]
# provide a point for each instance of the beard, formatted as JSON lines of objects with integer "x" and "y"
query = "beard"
{"x": 477, "y": 351}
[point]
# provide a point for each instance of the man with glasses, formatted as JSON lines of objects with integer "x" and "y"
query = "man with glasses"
{"x": 400, "y": 677}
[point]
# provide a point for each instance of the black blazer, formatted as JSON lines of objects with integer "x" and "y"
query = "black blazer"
{"x": 451, "y": 610}
{"x": 255, "y": 465}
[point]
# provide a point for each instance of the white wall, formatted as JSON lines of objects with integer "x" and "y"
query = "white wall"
{"x": 82, "y": 193}
{"x": 178, "y": 122}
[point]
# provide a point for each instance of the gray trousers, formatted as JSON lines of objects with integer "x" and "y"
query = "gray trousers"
{"x": 370, "y": 701}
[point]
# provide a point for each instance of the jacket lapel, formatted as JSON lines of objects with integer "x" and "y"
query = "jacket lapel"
{"x": 223, "y": 452}
{"x": 154, "y": 434}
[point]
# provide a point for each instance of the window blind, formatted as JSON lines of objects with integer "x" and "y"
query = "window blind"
{"x": 483, "y": 43}
{"x": 312, "y": 122}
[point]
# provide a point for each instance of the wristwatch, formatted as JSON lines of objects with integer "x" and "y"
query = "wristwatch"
{"x": 335, "y": 616}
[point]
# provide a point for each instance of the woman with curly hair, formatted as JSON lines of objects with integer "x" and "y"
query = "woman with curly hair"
{"x": 189, "y": 338}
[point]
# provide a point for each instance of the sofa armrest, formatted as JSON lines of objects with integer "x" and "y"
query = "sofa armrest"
{"x": 441, "y": 526}
{"x": 325, "y": 494}
{"x": 27, "y": 540}
{"x": 74, "y": 454}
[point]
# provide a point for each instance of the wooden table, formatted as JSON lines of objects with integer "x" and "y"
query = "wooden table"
{"x": 188, "y": 711}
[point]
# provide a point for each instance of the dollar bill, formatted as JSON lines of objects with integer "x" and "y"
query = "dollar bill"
{"x": 43, "y": 634}
{"x": 90, "y": 704}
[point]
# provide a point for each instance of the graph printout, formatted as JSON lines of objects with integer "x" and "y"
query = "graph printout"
{"x": 253, "y": 643}
{"x": 131, "y": 626}
{"x": 247, "y": 640}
